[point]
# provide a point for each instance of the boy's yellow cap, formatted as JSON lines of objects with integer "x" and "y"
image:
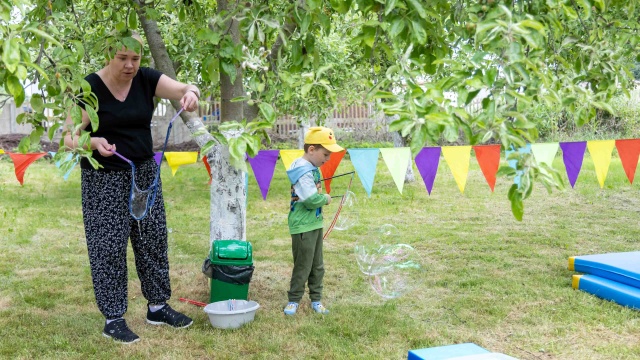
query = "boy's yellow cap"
{"x": 322, "y": 136}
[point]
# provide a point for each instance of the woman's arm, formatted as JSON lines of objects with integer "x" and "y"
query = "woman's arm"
{"x": 188, "y": 95}
{"x": 97, "y": 143}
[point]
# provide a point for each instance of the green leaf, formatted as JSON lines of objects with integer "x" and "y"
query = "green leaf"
{"x": 43, "y": 35}
{"x": 76, "y": 114}
{"x": 305, "y": 89}
{"x": 11, "y": 54}
{"x": 268, "y": 112}
{"x": 14, "y": 87}
{"x": 417, "y": 6}
{"x": 390, "y": 5}
{"x": 93, "y": 117}
{"x": 133, "y": 20}
{"x": 36, "y": 103}
{"x": 517, "y": 206}
{"x": 24, "y": 145}
{"x": 132, "y": 44}
{"x": 419, "y": 32}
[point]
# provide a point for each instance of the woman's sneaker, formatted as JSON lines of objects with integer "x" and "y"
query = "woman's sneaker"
{"x": 166, "y": 315}
{"x": 120, "y": 332}
{"x": 291, "y": 308}
{"x": 319, "y": 308}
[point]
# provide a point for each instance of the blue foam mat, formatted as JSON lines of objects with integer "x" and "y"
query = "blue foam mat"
{"x": 446, "y": 352}
{"x": 609, "y": 290}
{"x": 622, "y": 267}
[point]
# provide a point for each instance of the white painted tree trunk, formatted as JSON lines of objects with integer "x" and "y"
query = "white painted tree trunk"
{"x": 228, "y": 198}
{"x": 303, "y": 127}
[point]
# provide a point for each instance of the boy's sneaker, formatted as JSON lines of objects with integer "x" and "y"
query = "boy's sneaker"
{"x": 120, "y": 332}
{"x": 319, "y": 308}
{"x": 167, "y": 315}
{"x": 291, "y": 308}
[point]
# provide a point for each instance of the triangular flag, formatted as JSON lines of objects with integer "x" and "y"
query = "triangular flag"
{"x": 600, "y": 151}
{"x": 457, "y": 157}
{"x": 329, "y": 168}
{"x": 572, "y": 155}
{"x": 513, "y": 162}
{"x": 158, "y": 157}
{"x": 544, "y": 154}
{"x": 263, "y": 165}
{"x": 206, "y": 164}
{"x": 629, "y": 150}
{"x": 365, "y": 162}
{"x": 427, "y": 162}
{"x": 289, "y": 155}
{"x": 397, "y": 160}
{"x": 22, "y": 161}
{"x": 1, "y": 151}
{"x": 178, "y": 158}
{"x": 488, "y": 157}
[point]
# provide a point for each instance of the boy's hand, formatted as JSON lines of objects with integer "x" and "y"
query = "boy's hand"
{"x": 328, "y": 198}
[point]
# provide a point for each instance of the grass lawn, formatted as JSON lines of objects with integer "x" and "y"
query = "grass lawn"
{"x": 489, "y": 279}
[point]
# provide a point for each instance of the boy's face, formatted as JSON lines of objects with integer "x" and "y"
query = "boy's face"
{"x": 317, "y": 155}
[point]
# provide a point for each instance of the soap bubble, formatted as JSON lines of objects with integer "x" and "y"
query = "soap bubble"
{"x": 347, "y": 217}
{"x": 395, "y": 271}
{"x": 366, "y": 251}
{"x": 389, "y": 230}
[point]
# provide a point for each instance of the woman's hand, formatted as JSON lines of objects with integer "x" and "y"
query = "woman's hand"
{"x": 102, "y": 145}
{"x": 189, "y": 101}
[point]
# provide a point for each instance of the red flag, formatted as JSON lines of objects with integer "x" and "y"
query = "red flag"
{"x": 329, "y": 168}
{"x": 206, "y": 163}
{"x": 22, "y": 161}
{"x": 629, "y": 150}
{"x": 488, "y": 157}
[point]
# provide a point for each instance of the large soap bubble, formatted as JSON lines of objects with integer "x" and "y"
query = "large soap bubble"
{"x": 348, "y": 217}
{"x": 395, "y": 271}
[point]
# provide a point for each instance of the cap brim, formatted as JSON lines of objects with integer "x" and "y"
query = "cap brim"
{"x": 333, "y": 147}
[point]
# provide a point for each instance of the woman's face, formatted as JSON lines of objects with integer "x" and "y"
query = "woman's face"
{"x": 124, "y": 64}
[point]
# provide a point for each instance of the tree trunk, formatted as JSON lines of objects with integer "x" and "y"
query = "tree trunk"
{"x": 164, "y": 64}
{"x": 303, "y": 127}
{"x": 228, "y": 194}
{"x": 399, "y": 141}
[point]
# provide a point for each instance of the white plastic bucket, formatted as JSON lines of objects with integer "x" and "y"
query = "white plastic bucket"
{"x": 231, "y": 314}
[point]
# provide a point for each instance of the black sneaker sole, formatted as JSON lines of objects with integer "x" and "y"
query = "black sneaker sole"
{"x": 164, "y": 323}
{"x": 120, "y": 341}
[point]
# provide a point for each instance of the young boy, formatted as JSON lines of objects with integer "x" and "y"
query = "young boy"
{"x": 305, "y": 218}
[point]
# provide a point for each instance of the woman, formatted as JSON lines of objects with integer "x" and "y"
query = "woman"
{"x": 125, "y": 108}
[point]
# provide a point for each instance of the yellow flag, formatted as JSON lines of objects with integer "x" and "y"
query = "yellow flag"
{"x": 600, "y": 151}
{"x": 397, "y": 160}
{"x": 457, "y": 157}
{"x": 1, "y": 151}
{"x": 289, "y": 155}
{"x": 175, "y": 159}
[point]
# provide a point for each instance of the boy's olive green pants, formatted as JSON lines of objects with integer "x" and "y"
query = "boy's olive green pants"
{"x": 307, "y": 265}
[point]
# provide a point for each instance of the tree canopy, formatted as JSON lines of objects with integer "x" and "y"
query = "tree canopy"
{"x": 421, "y": 62}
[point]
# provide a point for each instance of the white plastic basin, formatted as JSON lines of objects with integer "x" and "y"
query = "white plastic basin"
{"x": 231, "y": 314}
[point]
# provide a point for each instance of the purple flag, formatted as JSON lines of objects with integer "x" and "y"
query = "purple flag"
{"x": 263, "y": 165}
{"x": 158, "y": 157}
{"x": 427, "y": 162}
{"x": 573, "y": 154}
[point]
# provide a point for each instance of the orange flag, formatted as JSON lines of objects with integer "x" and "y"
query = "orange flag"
{"x": 22, "y": 161}
{"x": 206, "y": 164}
{"x": 629, "y": 150}
{"x": 329, "y": 168}
{"x": 488, "y": 157}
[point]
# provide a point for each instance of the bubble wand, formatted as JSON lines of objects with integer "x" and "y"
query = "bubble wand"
{"x": 342, "y": 201}
{"x": 141, "y": 201}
